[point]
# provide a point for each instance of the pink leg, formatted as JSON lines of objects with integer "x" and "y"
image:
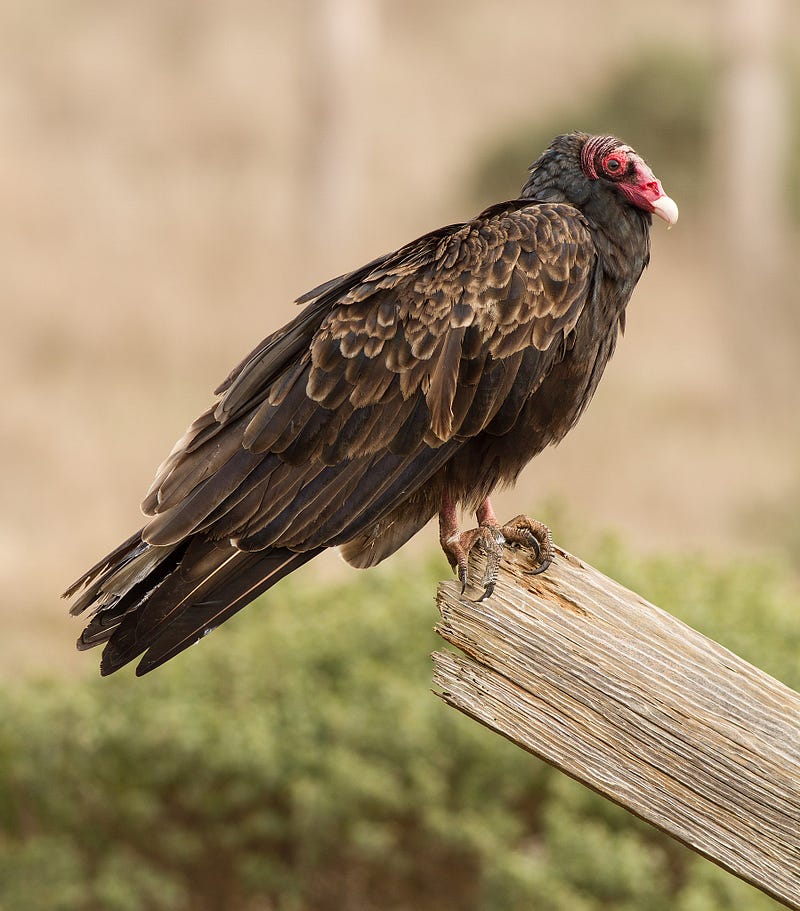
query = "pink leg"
{"x": 485, "y": 514}
{"x": 448, "y": 520}
{"x": 457, "y": 544}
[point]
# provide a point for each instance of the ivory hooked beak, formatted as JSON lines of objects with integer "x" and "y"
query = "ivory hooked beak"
{"x": 666, "y": 207}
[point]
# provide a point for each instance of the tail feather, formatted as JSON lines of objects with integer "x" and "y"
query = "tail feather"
{"x": 137, "y": 568}
{"x": 101, "y": 627}
{"x": 254, "y": 574}
{"x": 93, "y": 577}
{"x": 160, "y": 600}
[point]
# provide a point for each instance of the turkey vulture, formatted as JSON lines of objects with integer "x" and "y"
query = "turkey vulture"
{"x": 412, "y": 386}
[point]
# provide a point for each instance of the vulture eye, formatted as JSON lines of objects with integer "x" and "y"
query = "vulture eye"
{"x": 613, "y": 165}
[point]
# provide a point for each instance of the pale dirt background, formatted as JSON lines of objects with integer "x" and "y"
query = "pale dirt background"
{"x": 157, "y": 218}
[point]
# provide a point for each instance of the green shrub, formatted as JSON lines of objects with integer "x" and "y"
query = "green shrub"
{"x": 297, "y": 760}
{"x": 675, "y": 132}
{"x": 665, "y": 104}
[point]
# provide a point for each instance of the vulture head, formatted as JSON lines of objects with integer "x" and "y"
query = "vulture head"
{"x": 582, "y": 169}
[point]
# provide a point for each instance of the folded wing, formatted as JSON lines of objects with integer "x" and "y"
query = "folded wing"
{"x": 341, "y": 418}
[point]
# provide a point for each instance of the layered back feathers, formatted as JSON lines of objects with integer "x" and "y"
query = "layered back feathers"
{"x": 444, "y": 365}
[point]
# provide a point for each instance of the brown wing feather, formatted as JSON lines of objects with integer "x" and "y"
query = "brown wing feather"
{"x": 402, "y": 342}
{"x": 332, "y": 424}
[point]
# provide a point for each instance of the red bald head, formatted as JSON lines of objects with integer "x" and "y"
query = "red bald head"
{"x": 606, "y": 158}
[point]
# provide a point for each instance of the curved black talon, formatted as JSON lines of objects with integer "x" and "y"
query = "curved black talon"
{"x": 462, "y": 577}
{"x": 539, "y": 569}
{"x": 533, "y": 542}
{"x": 536, "y": 547}
{"x": 520, "y": 531}
{"x": 535, "y": 535}
{"x": 494, "y": 543}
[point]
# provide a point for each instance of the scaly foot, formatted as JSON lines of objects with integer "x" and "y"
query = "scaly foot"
{"x": 521, "y": 530}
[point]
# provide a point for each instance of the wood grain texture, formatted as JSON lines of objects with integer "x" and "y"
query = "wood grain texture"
{"x": 636, "y": 705}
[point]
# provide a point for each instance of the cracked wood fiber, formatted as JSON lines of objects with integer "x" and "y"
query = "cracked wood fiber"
{"x": 635, "y": 704}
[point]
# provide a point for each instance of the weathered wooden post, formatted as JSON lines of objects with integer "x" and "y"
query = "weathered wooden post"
{"x": 638, "y": 706}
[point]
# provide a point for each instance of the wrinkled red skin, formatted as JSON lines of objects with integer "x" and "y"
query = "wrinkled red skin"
{"x": 638, "y": 184}
{"x": 644, "y": 189}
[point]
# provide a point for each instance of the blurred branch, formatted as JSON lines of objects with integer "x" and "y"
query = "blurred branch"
{"x": 633, "y": 703}
{"x": 752, "y": 143}
{"x": 341, "y": 42}
{"x": 754, "y": 139}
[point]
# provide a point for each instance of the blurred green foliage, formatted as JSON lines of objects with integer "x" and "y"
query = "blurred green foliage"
{"x": 663, "y": 104}
{"x": 778, "y": 519}
{"x": 296, "y": 760}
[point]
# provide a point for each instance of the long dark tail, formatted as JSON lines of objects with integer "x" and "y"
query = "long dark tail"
{"x": 160, "y": 600}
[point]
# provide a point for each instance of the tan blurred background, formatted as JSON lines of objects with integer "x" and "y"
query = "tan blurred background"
{"x": 174, "y": 172}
